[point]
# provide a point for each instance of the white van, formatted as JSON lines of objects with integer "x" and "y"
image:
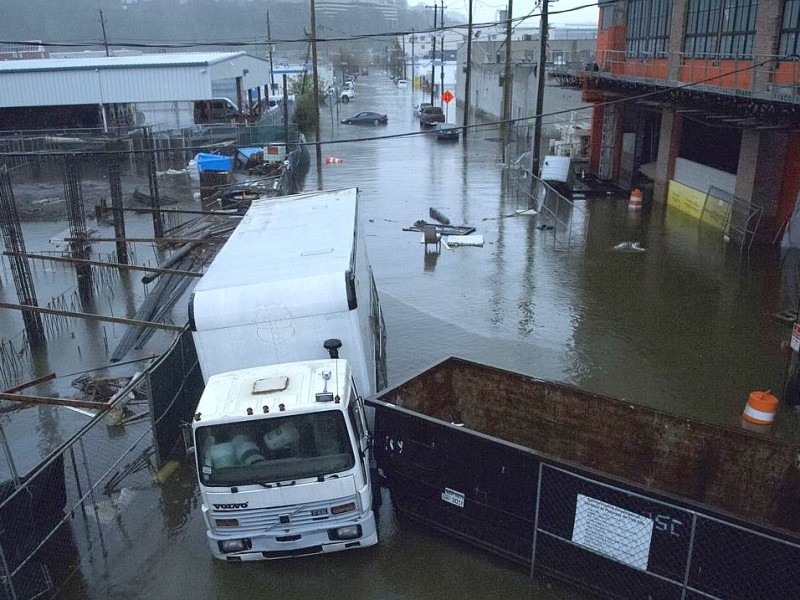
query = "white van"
{"x": 215, "y": 110}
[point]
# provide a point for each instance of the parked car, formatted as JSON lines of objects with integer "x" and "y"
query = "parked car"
{"x": 418, "y": 108}
{"x": 446, "y": 131}
{"x": 401, "y": 83}
{"x": 367, "y": 117}
{"x": 431, "y": 115}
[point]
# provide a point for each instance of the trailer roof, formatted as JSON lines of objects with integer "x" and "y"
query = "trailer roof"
{"x": 291, "y": 251}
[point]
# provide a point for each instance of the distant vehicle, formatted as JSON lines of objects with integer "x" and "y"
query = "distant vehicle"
{"x": 446, "y": 131}
{"x": 367, "y": 118}
{"x": 419, "y": 107}
{"x": 401, "y": 83}
{"x": 431, "y": 115}
{"x": 215, "y": 110}
{"x": 347, "y": 94}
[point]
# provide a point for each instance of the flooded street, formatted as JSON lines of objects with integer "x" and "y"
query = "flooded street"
{"x": 683, "y": 326}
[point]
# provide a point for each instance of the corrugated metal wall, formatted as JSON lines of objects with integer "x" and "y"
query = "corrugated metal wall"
{"x": 100, "y": 84}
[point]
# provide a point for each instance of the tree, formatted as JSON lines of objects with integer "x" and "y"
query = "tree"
{"x": 305, "y": 113}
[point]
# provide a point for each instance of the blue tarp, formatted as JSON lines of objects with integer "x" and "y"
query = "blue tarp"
{"x": 214, "y": 162}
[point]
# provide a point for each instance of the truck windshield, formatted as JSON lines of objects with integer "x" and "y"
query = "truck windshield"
{"x": 275, "y": 449}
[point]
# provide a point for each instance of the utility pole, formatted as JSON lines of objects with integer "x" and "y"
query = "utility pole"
{"x": 467, "y": 83}
{"x": 271, "y": 69}
{"x": 537, "y": 125}
{"x": 413, "y": 61}
{"x": 316, "y": 93}
{"x": 441, "y": 54}
{"x": 433, "y": 53}
{"x": 105, "y": 39}
{"x": 404, "y": 56}
{"x": 505, "y": 126}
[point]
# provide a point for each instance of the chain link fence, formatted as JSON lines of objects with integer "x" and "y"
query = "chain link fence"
{"x": 635, "y": 545}
{"x": 561, "y": 520}
{"x": 69, "y": 517}
{"x": 564, "y": 220}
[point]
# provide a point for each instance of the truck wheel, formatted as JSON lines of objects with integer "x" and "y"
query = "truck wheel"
{"x": 345, "y": 99}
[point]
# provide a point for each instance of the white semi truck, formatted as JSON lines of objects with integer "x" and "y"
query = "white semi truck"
{"x": 290, "y": 336}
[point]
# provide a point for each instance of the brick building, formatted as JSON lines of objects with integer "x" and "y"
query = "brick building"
{"x": 700, "y": 99}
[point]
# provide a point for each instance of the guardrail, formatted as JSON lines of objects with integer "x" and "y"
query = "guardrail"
{"x": 762, "y": 76}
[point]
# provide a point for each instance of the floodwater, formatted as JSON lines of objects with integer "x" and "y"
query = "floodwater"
{"x": 682, "y": 326}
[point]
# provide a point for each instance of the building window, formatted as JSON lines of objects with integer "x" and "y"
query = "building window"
{"x": 721, "y": 28}
{"x": 790, "y": 29}
{"x": 648, "y": 28}
{"x": 606, "y": 13}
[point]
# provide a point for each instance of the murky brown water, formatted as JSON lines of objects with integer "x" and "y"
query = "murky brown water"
{"x": 683, "y": 326}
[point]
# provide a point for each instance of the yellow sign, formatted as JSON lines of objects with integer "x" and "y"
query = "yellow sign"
{"x": 691, "y": 201}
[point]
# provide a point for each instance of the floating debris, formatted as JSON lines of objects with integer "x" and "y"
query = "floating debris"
{"x": 442, "y": 229}
{"x": 438, "y": 216}
{"x": 629, "y": 247}
{"x": 465, "y": 240}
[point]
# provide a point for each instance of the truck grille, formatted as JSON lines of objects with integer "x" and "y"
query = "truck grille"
{"x": 298, "y": 514}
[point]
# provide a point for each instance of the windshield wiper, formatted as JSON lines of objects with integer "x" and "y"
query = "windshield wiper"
{"x": 270, "y": 484}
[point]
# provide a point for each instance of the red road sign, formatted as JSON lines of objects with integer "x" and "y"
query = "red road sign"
{"x": 447, "y": 96}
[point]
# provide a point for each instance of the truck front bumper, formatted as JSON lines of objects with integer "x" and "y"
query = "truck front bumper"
{"x": 283, "y": 543}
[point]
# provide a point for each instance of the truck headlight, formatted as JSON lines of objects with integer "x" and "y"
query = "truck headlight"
{"x": 348, "y": 532}
{"x": 226, "y": 546}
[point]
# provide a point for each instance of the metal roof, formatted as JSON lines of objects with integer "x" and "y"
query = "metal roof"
{"x": 189, "y": 59}
{"x": 124, "y": 79}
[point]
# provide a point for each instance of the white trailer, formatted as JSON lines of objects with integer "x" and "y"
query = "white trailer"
{"x": 292, "y": 275}
{"x": 283, "y": 457}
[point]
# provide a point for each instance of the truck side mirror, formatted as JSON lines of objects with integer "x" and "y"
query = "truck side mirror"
{"x": 188, "y": 441}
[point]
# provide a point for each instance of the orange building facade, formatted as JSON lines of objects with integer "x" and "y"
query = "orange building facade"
{"x": 700, "y": 99}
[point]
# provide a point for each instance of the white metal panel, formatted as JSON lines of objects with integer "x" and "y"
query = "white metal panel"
{"x": 701, "y": 177}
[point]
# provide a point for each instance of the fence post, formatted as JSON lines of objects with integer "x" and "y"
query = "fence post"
{"x": 536, "y": 518}
{"x": 689, "y": 557}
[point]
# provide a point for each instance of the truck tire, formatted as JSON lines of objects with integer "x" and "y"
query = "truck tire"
{"x": 345, "y": 99}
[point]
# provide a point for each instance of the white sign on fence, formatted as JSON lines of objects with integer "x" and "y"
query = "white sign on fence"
{"x": 612, "y": 531}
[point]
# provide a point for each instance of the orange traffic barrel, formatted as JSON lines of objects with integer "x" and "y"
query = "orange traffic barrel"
{"x": 760, "y": 409}
{"x": 635, "y": 201}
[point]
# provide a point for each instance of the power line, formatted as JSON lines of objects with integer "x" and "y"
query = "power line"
{"x": 260, "y": 42}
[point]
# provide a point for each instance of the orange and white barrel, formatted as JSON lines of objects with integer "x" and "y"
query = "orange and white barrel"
{"x": 760, "y": 408}
{"x": 333, "y": 160}
{"x": 635, "y": 201}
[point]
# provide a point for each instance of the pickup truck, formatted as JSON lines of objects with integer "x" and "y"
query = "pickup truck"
{"x": 430, "y": 115}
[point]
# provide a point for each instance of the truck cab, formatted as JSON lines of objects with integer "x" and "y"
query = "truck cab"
{"x": 283, "y": 461}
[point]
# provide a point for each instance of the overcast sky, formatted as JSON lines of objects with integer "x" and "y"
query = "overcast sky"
{"x": 486, "y": 10}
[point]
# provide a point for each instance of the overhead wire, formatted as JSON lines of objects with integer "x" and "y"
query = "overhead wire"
{"x": 246, "y": 43}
